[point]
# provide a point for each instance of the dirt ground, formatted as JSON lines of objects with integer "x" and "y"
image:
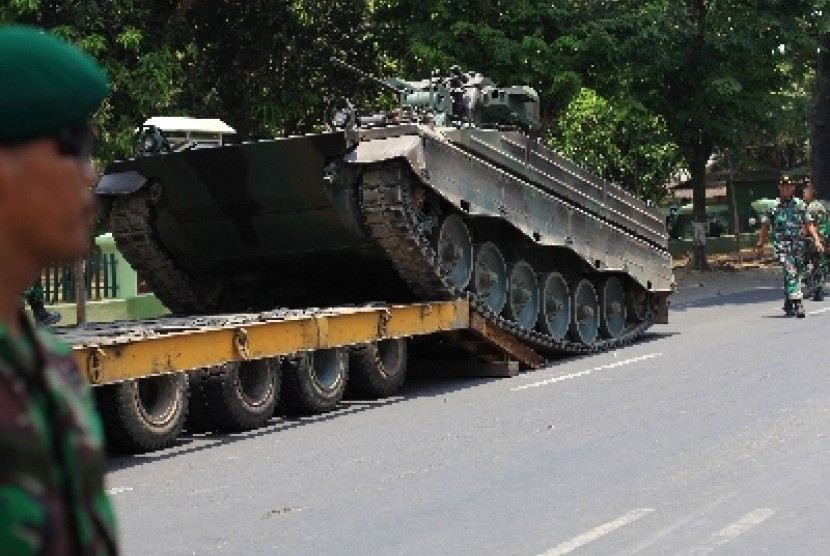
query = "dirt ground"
{"x": 728, "y": 274}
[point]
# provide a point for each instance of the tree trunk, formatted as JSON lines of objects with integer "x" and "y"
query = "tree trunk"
{"x": 698, "y": 170}
{"x": 820, "y": 123}
{"x": 80, "y": 292}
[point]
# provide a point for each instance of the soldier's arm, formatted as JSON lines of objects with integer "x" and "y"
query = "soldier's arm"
{"x": 762, "y": 238}
{"x": 811, "y": 229}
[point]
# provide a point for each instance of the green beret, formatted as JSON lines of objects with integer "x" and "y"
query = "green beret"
{"x": 45, "y": 84}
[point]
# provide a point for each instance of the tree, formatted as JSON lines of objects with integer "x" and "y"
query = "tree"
{"x": 133, "y": 41}
{"x": 713, "y": 71}
{"x": 561, "y": 51}
{"x": 619, "y": 141}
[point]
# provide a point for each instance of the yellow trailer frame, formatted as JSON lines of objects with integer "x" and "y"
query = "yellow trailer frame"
{"x": 113, "y": 352}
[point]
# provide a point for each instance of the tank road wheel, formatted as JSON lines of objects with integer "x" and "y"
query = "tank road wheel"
{"x": 490, "y": 276}
{"x": 315, "y": 382}
{"x": 522, "y": 304}
{"x": 455, "y": 251}
{"x": 555, "y": 311}
{"x": 377, "y": 370}
{"x": 144, "y": 414}
{"x": 236, "y": 396}
{"x": 612, "y": 310}
{"x": 585, "y": 318}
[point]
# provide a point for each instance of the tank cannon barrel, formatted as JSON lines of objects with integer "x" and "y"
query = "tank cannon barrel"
{"x": 366, "y": 75}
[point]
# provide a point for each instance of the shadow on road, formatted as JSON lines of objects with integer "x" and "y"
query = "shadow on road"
{"x": 188, "y": 443}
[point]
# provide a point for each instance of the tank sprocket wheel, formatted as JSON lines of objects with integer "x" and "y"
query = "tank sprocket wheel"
{"x": 612, "y": 307}
{"x": 522, "y": 304}
{"x": 490, "y": 276}
{"x": 314, "y": 382}
{"x": 638, "y": 303}
{"x": 585, "y": 313}
{"x": 555, "y": 307}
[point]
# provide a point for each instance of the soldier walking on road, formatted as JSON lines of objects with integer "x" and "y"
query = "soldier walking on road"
{"x": 52, "y": 497}
{"x": 815, "y": 259}
{"x": 790, "y": 220}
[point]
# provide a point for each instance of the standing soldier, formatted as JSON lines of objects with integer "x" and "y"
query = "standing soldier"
{"x": 52, "y": 497}
{"x": 815, "y": 258}
{"x": 789, "y": 219}
{"x": 37, "y": 302}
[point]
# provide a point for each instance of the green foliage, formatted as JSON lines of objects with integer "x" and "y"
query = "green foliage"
{"x": 619, "y": 141}
{"x": 626, "y": 87}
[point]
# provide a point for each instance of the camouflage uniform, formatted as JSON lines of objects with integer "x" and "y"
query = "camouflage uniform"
{"x": 52, "y": 499}
{"x": 816, "y": 260}
{"x": 787, "y": 219}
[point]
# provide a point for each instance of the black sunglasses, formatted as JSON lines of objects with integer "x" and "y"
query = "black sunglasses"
{"x": 76, "y": 142}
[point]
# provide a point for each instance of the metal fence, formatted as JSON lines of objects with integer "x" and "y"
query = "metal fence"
{"x": 59, "y": 280}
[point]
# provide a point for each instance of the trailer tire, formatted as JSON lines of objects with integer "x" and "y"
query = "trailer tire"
{"x": 377, "y": 370}
{"x": 241, "y": 396}
{"x": 144, "y": 414}
{"x": 314, "y": 382}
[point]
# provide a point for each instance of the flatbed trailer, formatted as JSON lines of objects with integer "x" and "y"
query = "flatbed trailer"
{"x": 153, "y": 378}
{"x": 122, "y": 350}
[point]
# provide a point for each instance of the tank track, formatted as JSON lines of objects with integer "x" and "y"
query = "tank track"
{"x": 390, "y": 218}
{"x": 131, "y": 226}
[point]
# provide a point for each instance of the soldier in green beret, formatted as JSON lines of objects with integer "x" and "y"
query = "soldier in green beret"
{"x": 52, "y": 463}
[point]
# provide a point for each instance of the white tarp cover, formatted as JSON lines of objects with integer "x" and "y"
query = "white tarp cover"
{"x": 182, "y": 123}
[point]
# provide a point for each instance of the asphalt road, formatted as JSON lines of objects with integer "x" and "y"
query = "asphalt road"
{"x": 707, "y": 437}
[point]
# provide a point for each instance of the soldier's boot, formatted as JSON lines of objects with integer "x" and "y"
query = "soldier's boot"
{"x": 798, "y": 309}
{"x": 818, "y": 295}
{"x": 788, "y": 307}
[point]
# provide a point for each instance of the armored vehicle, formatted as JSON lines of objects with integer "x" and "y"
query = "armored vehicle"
{"x": 449, "y": 195}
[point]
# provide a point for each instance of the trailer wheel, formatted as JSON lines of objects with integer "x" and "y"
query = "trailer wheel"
{"x": 144, "y": 414}
{"x": 314, "y": 382}
{"x": 242, "y": 396}
{"x": 377, "y": 370}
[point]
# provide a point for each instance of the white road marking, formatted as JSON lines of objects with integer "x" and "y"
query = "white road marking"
{"x": 597, "y": 532}
{"x": 118, "y": 490}
{"x": 661, "y": 534}
{"x": 819, "y": 311}
{"x": 731, "y": 531}
{"x": 586, "y": 372}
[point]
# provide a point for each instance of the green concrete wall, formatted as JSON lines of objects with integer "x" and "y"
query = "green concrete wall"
{"x": 145, "y": 306}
